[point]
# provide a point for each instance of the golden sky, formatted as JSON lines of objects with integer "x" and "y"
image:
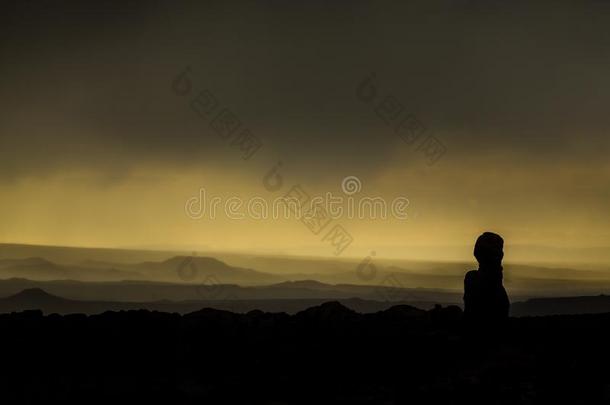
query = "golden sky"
{"x": 98, "y": 149}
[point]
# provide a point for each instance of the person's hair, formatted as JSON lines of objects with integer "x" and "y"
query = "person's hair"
{"x": 489, "y": 248}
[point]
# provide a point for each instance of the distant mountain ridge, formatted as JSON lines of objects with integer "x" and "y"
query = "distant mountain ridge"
{"x": 144, "y": 291}
{"x": 195, "y": 268}
{"x": 29, "y": 261}
{"x": 562, "y": 306}
{"x": 36, "y": 268}
{"x": 175, "y": 269}
{"x": 47, "y": 263}
{"x": 38, "y": 299}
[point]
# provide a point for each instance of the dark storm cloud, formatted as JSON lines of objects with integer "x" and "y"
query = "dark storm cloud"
{"x": 88, "y": 84}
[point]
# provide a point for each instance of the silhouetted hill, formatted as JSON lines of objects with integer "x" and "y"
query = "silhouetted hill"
{"x": 34, "y": 296}
{"x": 327, "y": 354}
{"x": 145, "y": 291}
{"x": 329, "y": 312}
{"x": 38, "y": 299}
{"x": 398, "y": 312}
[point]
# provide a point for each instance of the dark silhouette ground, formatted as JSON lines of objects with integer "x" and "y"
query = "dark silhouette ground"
{"x": 324, "y": 355}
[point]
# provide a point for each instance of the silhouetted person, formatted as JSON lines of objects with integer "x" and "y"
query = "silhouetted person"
{"x": 485, "y": 300}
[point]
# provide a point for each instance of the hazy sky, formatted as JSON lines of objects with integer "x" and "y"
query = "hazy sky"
{"x": 96, "y": 149}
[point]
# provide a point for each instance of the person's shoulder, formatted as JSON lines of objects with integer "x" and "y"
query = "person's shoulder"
{"x": 471, "y": 275}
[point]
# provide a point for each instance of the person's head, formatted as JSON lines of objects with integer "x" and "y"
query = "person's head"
{"x": 488, "y": 249}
